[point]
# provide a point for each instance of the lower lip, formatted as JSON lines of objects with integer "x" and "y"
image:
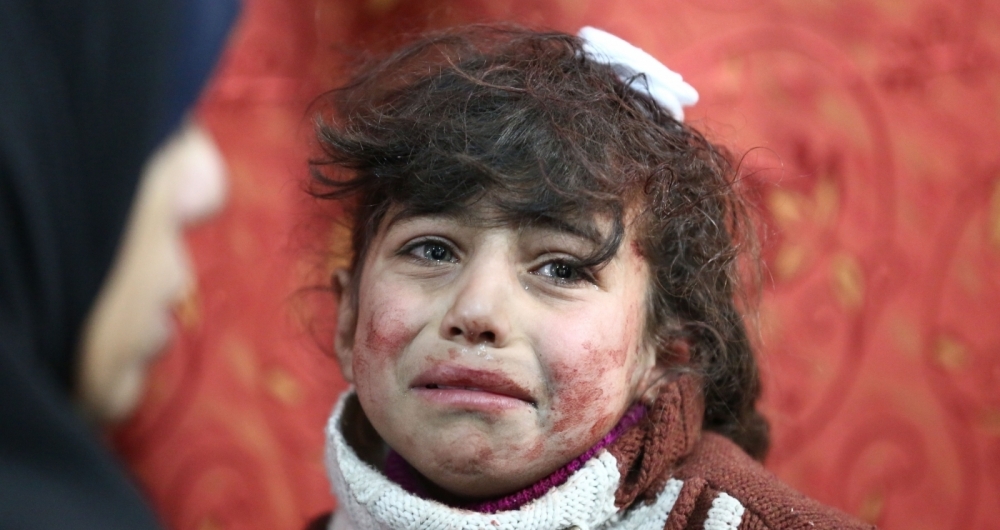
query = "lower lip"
{"x": 473, "y": 400}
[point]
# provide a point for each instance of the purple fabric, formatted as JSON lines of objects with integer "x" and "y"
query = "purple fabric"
{"x": 401, "y": 472}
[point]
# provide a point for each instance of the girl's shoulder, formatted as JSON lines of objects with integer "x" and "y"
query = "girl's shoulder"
{"x": 720, "y": 487}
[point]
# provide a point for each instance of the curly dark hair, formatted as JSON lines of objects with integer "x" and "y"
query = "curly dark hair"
{"x": 521, "y": 121}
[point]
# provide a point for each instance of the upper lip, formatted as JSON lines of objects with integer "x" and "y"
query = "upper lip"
{"x": 458, "y": 376}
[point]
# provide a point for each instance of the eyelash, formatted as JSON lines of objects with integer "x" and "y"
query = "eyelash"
{"x": 579, "y": 274}
{"x": 411, "y": 251}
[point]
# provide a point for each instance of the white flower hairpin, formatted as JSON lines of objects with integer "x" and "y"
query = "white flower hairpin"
{"x": 664, "y": 85}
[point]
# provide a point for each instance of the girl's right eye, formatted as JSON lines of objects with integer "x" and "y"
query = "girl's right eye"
{"x": 434, "y": 251}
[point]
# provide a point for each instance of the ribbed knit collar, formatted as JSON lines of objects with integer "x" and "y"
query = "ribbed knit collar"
{"x": 633, "y": 463}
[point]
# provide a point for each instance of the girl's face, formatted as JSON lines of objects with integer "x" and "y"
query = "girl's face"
{"x": 485, "y": 356}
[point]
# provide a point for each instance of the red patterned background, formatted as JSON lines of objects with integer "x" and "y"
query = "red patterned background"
{"x": 872, "y": 127}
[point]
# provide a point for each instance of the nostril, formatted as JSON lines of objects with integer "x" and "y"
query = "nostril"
{"x": 455, "y": 332}
{"x": 488, "y": 336}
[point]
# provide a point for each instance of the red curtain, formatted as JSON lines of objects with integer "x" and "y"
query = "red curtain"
{"x": 870, "y": 134}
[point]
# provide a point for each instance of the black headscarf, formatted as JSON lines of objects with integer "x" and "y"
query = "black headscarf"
{"x": 88, "y": 89}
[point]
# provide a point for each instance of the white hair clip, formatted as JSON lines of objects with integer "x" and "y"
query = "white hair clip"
{"x": 664, "y": 85}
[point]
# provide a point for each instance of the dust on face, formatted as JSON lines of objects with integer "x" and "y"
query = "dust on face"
{"x": 487, "y": 356}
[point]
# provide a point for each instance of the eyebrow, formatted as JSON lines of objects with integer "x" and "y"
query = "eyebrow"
{"x": 404, "y": 215}
{"x": 583, "y": 229}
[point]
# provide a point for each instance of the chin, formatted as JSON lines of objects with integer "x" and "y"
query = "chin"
{"x": 120, "y": 397}
{"x": 124, "y": 392}
{"x": 479, "y": 471}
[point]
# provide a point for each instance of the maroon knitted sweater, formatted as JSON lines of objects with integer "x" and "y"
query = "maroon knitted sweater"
{"x": 672, "y": 445}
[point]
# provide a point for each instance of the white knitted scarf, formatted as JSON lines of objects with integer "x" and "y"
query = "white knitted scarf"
{"x": 369, "y": 500}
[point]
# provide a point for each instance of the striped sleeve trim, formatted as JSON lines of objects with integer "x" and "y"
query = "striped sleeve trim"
{"x": 726, "y": 513}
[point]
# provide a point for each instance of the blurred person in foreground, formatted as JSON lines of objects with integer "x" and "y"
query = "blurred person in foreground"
{"x": 100, "y": 171}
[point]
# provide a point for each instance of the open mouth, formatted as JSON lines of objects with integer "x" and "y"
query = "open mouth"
{"x": 448, "y": 387}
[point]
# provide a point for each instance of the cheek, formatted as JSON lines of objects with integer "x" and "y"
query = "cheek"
{"x": 590, "y": 373}
{"x": 385, "y": 333}
{"x": 386, "y": 326}
{"x": 637, "y": 251}
{"x": 581, "y": 400}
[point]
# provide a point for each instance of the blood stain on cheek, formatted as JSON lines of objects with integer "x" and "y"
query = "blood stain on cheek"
{"x": 602, "y": 425}
{"x": 579, "y": 396}
{"x": 536, "y": 450}
{"x": 585, "y": 392}
{"x": 360, "y": 365}
{"x": 615, "y": 357}
{"x": 386, "y": 334}
{"x": 637, "y": 250}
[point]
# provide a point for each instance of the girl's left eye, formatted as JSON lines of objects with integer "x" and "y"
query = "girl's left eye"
{"x": 562, "y": 272}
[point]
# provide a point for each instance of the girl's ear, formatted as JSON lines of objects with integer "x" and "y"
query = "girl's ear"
{"x": 654, "y": 375}
{"x": 347, "y": 321}
{"x": 659, "y": 368}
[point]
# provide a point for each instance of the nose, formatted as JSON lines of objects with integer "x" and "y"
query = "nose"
{"x": 479, "y": 312}
{"x": 200, "y": 173}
